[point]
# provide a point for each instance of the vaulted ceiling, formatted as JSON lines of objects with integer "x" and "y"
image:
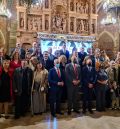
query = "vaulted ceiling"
{"x": 100, "y": 4}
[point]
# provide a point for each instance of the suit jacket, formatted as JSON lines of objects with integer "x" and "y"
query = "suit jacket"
{"x": 88, "y": 76}
{"x": 66, "y": 53}
{"x": 70, "y": 74}
{"x": 82, "y": 56}
{"x": 18, "y": 80}
{"x": 48, "y": 64}
{"x": 22, "y": 53}
{"x": 53, "y": 78}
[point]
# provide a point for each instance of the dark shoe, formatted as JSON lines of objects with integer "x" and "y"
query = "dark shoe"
{"x": 16, "y": 117}
{"x": 53, "y": 115}
{"x": 60, "y": 113}
{"x": 69, "y": 112}
{"x": 6, "y": 117}
{"x": 76, "y": 111}
{"x": 84, "y": 112}
{"x": 91, "y": 112}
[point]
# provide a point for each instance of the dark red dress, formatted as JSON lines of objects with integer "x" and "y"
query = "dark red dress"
{"x": 5, "y": 85}
{"x": 14, "y": 65}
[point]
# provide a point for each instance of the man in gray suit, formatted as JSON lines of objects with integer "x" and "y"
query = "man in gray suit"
{"x": 73, "y": 77}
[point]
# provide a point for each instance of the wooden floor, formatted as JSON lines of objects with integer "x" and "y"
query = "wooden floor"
{"x": 104, "y": 120}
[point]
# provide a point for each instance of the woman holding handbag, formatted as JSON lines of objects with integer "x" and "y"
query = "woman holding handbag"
{"x": 39, "y": 87}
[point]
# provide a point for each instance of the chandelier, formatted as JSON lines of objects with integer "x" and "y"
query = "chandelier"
{"x": 110, "y": 6}
{"x": 33, "y": 2}
{"x": 108, "y": 20}
{"x": 4, "y": 11}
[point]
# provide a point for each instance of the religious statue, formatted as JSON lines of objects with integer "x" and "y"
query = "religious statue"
{"x": 21, "y": 20}
{"x": 47, "y": 23}
{"x": 71, "y": 6}
{"x": 82, "y": 24}
{"x": 64, "y": 25}
{"x": 39, "y": 22}
{"x": 46, "y": 3}
{"x": 93, "y": 28}
{"x": 71, "y": 26}
{"x": 86, "y": 8}
{"x": 35, "y": 25}
{"x": 30, "y": 24}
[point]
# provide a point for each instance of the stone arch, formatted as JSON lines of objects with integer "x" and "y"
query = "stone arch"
{"x": 106, "y": 41}
{"x": 2, "y": 39}
{"x": 26, "y": 46}
{"x": 108, "y": 33}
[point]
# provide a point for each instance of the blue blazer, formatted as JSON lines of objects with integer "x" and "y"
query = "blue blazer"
{"x": 54, "y": 79}
{"x": 88, "y": 76}
{"x": 66, "y": 54}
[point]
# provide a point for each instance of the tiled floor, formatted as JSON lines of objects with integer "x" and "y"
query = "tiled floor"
{"x": 104, "y": 120}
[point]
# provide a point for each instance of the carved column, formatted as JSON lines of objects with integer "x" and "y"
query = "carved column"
{"x": 18, "y": 17}
{"x": 95, "y": 6}
{"x": 74, "y": 5}
{"x": 90, "y": 18}
{"x": 43, "y": 22}
{"x": 50, "y": 23}
{"x": 25, "y": 18}
{"x": 74, "y": 24}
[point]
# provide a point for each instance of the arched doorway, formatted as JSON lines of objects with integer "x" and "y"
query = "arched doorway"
{"x": 26, "y": 46}
{"x": 106, "y": 42}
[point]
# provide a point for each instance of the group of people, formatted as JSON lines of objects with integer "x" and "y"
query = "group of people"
{"x": 31, "y": 79}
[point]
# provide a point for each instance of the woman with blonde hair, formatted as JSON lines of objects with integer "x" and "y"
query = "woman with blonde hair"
{"x": 39, "y": 87}
{"x": 63, "y": 61}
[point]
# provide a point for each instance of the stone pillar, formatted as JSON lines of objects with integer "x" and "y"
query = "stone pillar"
{"x": 74, "y": 5}
{"x": 90, "y": 18}
{"x": 43, "y": 22}
{"x": 4, "y": 36}
{"x": 74, "y": 24}
{"x": 25, "y": 19}
{"x": 95, "y": 6}
{"x": 49, "y": 23}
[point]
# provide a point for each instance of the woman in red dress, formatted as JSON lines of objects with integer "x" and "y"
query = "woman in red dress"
{"x": 5, "y": 86}
{"x": 15, "y": 62}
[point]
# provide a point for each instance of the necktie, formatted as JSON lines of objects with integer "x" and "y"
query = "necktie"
{"x": 75, "y": 71}
{"x": 114, "y": 72}
{"x": 58, "y": 72}
{"x": 89, "y": 69}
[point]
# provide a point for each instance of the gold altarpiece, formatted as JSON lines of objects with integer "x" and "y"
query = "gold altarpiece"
{"x": 77, "y": 17}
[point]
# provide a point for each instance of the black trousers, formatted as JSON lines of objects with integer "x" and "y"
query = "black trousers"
{"x": 21, "y": 105}
{"x": 55, "y": 99}
{"x": 87, "y": 99}
{"x": 100, "y": 97}
{"x": 72, "y": 93}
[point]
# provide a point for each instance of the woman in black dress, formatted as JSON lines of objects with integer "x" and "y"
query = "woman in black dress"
{"x": 102, "y": 80}
{"x": 5, "y": 87}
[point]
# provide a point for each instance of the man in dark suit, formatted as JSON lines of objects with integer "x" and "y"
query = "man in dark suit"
{"x": 33, "y": 49}
{"x": 65, "y": 52}
{"x": 56, "y": 81}
{"x": 3, "y": 56}
{"x": 22, "y": 82}
{"x": 88, "y": 81}
{"x": 82, "y": 54}
{"x": 51, "y": 56}
{"x": 73, "y": 77}
{"x": 20, "y": 50}
{"x": 49, "y": 64}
